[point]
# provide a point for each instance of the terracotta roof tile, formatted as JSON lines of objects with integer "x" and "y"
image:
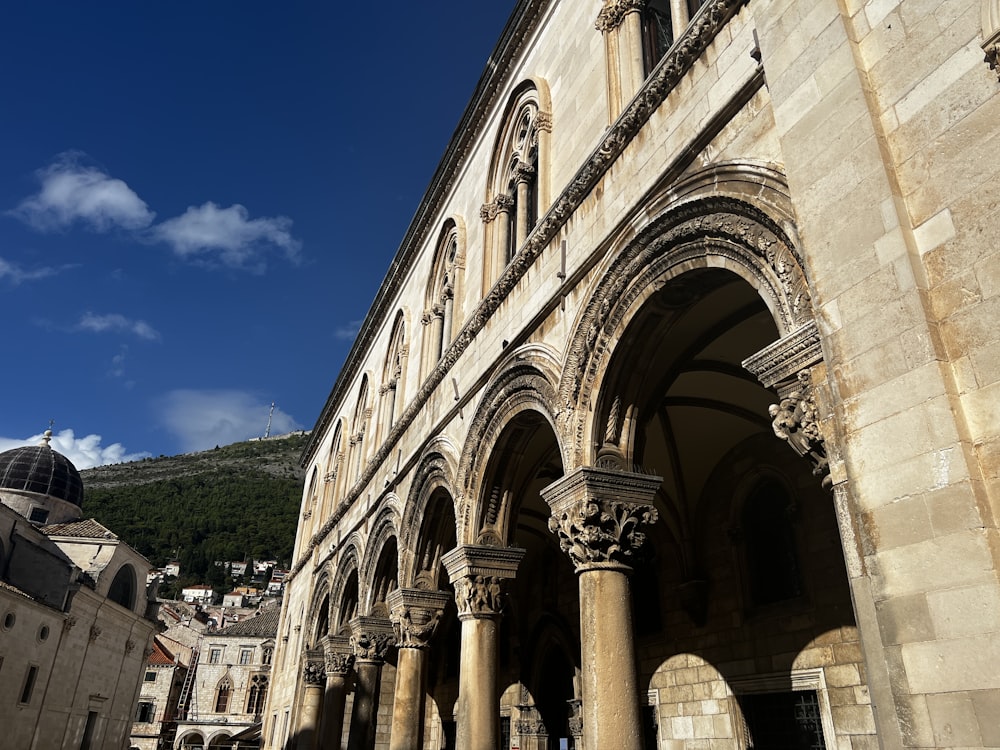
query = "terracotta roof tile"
{"x": 85, "y": 529}
{"x": 264, "y": 624}
{"x": 160, "y": 655}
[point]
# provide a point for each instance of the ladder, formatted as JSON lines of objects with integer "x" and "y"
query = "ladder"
{"x": 188, "y": 688}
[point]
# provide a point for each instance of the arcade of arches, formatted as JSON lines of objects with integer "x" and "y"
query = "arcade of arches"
{"x": 673, "y": 424}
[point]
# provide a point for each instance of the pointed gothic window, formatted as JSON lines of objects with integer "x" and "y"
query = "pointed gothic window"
{"x": 222, "y": 693}
{"x": 257, "y": 694}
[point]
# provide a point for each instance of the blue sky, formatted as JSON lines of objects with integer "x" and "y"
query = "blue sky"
{"x": 198, "y": 201}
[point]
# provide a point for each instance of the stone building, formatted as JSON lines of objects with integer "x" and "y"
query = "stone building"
{"x": 674, "y": 423}
{"x": 153, "y": 726}
{"x": 228, "y": 684}
{"x": 75, "y": 620}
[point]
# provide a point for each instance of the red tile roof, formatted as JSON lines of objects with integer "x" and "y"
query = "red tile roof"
{"x": 160, "y": 655}
{"x": 85, "y": 529}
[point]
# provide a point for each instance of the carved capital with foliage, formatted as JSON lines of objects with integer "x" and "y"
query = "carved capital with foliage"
{"x": 614, "y": 12}
{"x": 338, "y": 658}
{"x": 415, "y": 614}
{"x": 597, "y": 514}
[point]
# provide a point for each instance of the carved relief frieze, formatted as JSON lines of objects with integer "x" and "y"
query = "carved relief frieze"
{"x": 338, "y": 657}
{"x": 543, "y": 121}
{"x": 781, "y": 361}
{"x": 477, "y": 573}
{"x": 796, "y": 422}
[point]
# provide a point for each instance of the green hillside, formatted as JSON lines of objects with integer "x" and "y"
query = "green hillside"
{"x": 235, "y": 502}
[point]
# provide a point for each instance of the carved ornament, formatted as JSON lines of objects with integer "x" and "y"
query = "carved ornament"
{"x": 129, "y": 646}
{"x": 415, "y": 614}
{"x": 371, "y": 638}
{"x": 501, "y": 204}
{"x": 543, "y": 121}
{"x": 69, "y": 623}
{"x": 479, "y": 596}
{"x": 477, "y": 572}
{"x": 795, "y": 421}
{"x": 95, "y": 633}
{"x": 597, "y": 515}
{"x": 614, "y": 12}
{"x": 313, "y": 669}
{"x": 786, "y": 357}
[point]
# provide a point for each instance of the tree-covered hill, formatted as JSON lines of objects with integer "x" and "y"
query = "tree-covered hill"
{"x": 234, "y": 502}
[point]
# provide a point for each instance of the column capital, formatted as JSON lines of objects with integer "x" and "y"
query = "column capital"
{"x": 338, "y": 655}
{"x": 614, "y": 12}
{"x": 313, "y": 667}
{"x": 597, "y": 512}
{"x": 371, "y": 637}
{"x": 477, "y": 572}
{"x": 415, "y": 614}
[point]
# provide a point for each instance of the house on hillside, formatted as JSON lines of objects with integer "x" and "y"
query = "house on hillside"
{"x": 200, "y": 594}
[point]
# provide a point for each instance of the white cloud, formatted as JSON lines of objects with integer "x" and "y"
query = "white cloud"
{"x": 239, "y": 240}
{"x": 85, "y": 452}
{"x": 72, "y": 192}
{"x": 202, "y": 419}
{"x": 15, "y": 274}
{"x": 117, "y": 323}
{"x": 349, "y": 331}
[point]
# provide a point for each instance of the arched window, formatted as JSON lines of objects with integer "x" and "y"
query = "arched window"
{"x": 257, "y": 695}
{"x": 123, "y": 587}
{"x": 222, "y": 693}
{"x": 334, "y": 459}
{"x": 358, "y": 424}
{"x": 518, "y": 177}
{"x": 657, "y": 32}
{"x": 771, "y": 558}
{"x": 443, "y": 299}
{"x": 392, "y": 373}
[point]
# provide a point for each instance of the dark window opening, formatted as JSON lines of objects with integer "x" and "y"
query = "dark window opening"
{"x": 38, "y": 515}
{"x": 504, "y": 732}
{"x": 450, "y": 735}
{"x": 29, "y": 684}
{"x": 88, "y": 732}
{"x": 649, "y": 727}
{"x": 144, "y": 713}
{"x": 657, "y": 32}
{"x": 790, "y": 721}
{"x": 770, "y": 545}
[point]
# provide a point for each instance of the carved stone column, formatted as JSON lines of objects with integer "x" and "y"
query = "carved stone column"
{"x": 523, "y": 175}
{"x": 621, "y": 23}
{"x": 314, "y": 678}
{"x": 371, "y": 639}
{"x": 477, "y": 572}
{"x": 597, "y": 514}
{"x": 339, "y": 660}
{"x": 415, "y": 614}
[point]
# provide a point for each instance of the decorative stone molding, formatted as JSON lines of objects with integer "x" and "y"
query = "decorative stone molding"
{"x": 614, "y": 12}
{"x": 338, "y": 658}
{"x": 597, "y": 513}
{"x": 668, "y": 73}
{"x": 371, "y": 637}
{"x": 501, "y": 204}
{"x": 530, "y": 722}
{"x": 795, "y": 421}
{"x": 415, "y": 614}
{"x": 69, "y": 623}
{"x": 786, "y": 357}
{"x": 992, "y": 54}
{"x": 576, "y": 717}
{"x": 543, "y": 121}
{"x": 523, "y": 172}
{"x": 95, "y": 633}
{"x": 129, "y": 646}
{"x": 313, "y": 668}
{"x": 477, "y": 572}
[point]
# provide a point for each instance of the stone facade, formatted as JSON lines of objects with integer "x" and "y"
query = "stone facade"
{"x": 675, "y": 421}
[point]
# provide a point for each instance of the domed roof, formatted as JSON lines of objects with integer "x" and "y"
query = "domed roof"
{"x": 38, "y": 468}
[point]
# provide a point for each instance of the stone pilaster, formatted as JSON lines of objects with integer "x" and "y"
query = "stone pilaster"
{"x": 477, "y": 572}
{"x": 339, "y": 659}
{"x": 371, "y": 639}
{"x": 597, "y": 515}
{"x": 415, "y": 614}
{"x": 313, "y": 679}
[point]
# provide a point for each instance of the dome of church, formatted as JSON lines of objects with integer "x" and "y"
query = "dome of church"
{"x": 38, "y": 468}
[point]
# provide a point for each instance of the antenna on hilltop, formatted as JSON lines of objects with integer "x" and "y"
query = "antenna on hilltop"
{"x": 267, "y": 432}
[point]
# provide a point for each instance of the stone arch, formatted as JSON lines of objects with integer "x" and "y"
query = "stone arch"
{"x": 192, "y": 739}
{"x": 433, "y": 478}
{"x": 123, "y": 587}
{"x": 525, "y": 382}
{"x": 383, "y": 538}
{"x": 445, "y": 292}
{"x": 391, "y": 391}
{"x": 700, "y": 232}
{"x": 333, "y": 469}
{"x": 345, "y": 594}
{"x": 319, "y": 617}
{"x": 218, "y": 740}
